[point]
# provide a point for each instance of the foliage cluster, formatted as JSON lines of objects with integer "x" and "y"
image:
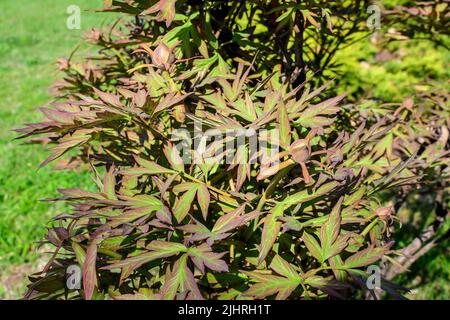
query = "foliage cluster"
{"x": 161, "y": 227}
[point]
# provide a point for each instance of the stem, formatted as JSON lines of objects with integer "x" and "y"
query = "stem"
{"x": 208, "y": 185}
{"x": 265, "y": 197}
{"x": 369, "y": 227}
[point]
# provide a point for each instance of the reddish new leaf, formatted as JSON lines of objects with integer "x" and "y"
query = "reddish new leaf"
{"x": 90, "y": 270}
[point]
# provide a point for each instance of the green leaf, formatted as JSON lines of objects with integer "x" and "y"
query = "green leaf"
{"x": 159, "y": 249}
{"x": 166, "y": 247}
{"x": 109, "y": 184}
{"x": 281, "y": 266}
{"x": 355, "y": 196}
{"x": 286, "y": 14}
{"x": 317, "y": 115}
{"x": 338, "y": 246}
{"x": 229, "y": 221}
{"x": 203, "y": 198}
{"x": 331, "y": 228}
{"x": 75, "y": 193}
{"x": 90, "y": 270}
{"x": 136, "y": 261}
{"x": 183, "y": 204}
{"x": 180, "y": 279}
{"x": 173, "y": 156}
{"x": 268, "y": 285}
{"x": 204, "y": 256}
{"x": 143, "y": 201}
{"x": 109, "y": 98}
{"x": 147, "y": 167}
{"x": 131, "y": 215}
{"x": 337, "y": 264}
{"x": 305, "y": 195}
{"x": 230, "y": 94}
{"x": 80, "y": 254}
{"x": 365, "y": 257}
{"x": 270, "y": 231}
{"x": 383, "y": 182}
{"x": 313, "y": 246}
{"x": 384, "y": 146}
{"x": 184, "y": 186}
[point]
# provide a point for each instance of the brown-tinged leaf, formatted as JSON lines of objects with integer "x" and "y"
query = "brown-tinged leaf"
{"x": 313, "y": 246}
{"x": 90, "y": 270}
{"x": 149, "y": 167}
{"x": 308, "y": 195}
{"x": 158, "y": 249}
{"x": 180, "y": 279}
{"x": 365, "y": 257}
{"x": 109, "y": 184}
{"x": 165, "y": 9}
{"x": 331, "y": 228}
{"x": 173, "y": 156}
{"x": 203, "y": 198}
{"x": 282, "y": 267}
{"x": 109, "y": 98}
{"x": 268, "y": 285}
{"x": 229, "y": 221}
{"x": 204, "y": 256}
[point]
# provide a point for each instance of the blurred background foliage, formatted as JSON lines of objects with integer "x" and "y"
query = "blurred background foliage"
{"x": 34, "y": 34}
{"x": 393, "y": 72}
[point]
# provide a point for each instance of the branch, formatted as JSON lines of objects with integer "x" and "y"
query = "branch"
{"x": 417, "y": 248}
{"x": 299, "y": 73}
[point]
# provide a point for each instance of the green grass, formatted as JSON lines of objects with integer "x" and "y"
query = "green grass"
{"x": 33, "y": 34}
{"x": 430, "y": 275}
